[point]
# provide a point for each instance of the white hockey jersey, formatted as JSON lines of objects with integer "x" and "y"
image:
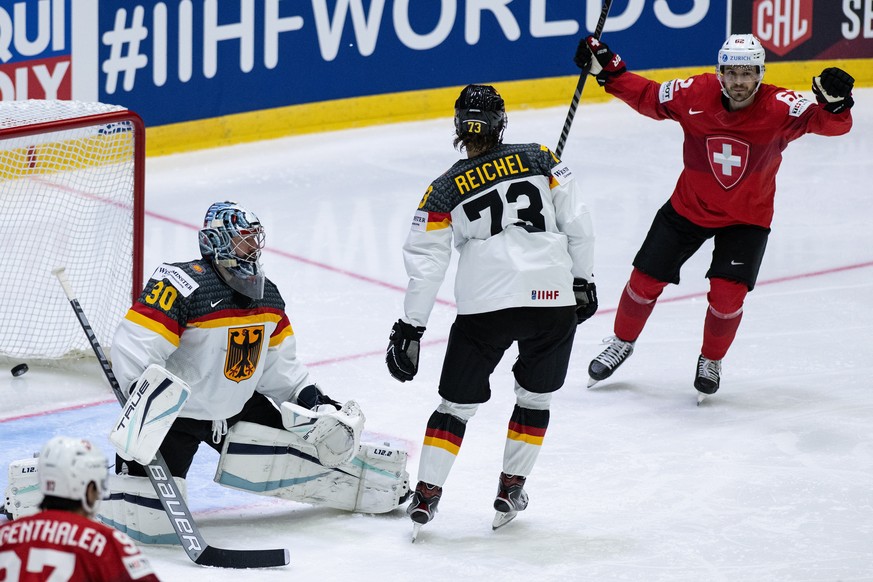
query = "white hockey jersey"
{"x": 224, "y": 345}
{"x": 520, "y": 225}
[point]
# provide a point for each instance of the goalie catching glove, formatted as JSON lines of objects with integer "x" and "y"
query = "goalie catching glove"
{"x": 334, "y": 434}
{"x": 403, "y": 346}
{"x": 604, "y": 64}
{"x": 833, "y": 90}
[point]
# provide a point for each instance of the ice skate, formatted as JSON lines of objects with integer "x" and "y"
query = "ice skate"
{"x": 511, "y": 498}
{"x": 708, "y": 377}
{"x": 609, "y": 359}
{"x": 423, "y": 506}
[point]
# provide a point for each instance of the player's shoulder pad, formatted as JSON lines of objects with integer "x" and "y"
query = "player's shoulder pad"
{"x": 558, "y": 170}
{"x": 178, "y": 277}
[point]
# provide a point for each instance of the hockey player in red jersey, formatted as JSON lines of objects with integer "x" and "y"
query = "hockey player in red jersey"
{"x": 62, "y": 542}
{"x": 736, "y": 128}
{"x": 516, "y": 215}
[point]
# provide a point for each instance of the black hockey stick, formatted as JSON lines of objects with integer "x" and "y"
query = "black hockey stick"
{"x": 165, "y": 486}
{"x": 580, "y": 84}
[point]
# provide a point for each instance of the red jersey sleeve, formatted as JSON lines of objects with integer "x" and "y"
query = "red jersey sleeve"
{"x": 730, "y": 157}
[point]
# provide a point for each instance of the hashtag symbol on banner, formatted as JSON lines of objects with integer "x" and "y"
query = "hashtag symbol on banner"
{"x": 120, "y": 38}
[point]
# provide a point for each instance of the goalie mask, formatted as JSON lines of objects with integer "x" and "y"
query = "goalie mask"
{"x": 480, "y": 117}
{"x": 67, "y": 466}
{"x": 232, "y": 237}
{"x": 740, "y": 51}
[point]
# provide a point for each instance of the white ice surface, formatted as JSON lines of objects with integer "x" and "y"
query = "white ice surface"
{"x": 770, "y": 479}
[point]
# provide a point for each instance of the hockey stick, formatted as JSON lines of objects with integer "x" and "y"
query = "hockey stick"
{"x": 165, "y": 486}
{"x": 580, "y": 84}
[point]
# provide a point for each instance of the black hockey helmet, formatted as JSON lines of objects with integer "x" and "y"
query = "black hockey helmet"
{"x": 480, "y": 112}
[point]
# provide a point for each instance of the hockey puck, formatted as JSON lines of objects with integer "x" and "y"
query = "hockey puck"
{"x": 20, "y": 370}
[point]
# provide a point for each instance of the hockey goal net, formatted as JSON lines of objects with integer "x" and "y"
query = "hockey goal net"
{"x": 71, "y": 195}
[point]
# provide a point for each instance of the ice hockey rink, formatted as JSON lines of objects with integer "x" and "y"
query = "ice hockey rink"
{"x": 770, "y": 479}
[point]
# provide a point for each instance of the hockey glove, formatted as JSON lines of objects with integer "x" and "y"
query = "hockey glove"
{"x": 402, "y": 356}
{"x": 313, "y": 398}
{"x": 586, "y": 299}
{"x": 833, "y": 90}
{"x": 605, "y": 64}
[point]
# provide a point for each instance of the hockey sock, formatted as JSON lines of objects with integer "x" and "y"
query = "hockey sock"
{"x": 636, "y": 304}
{"x": 723, "y": 317}
{"x": 442, "y": 441}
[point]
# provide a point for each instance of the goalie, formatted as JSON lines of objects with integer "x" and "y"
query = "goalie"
{"x": 209, "y": 355}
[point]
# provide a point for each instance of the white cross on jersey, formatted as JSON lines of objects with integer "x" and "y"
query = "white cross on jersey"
{"x": 726, "y": 159}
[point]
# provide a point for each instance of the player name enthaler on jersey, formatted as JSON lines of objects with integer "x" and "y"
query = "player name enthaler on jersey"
{"x": 487, "y": 172}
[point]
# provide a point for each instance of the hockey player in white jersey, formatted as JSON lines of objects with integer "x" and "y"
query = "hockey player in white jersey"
{"x": 217, "y": 329}
{"x": 525, "y": 274}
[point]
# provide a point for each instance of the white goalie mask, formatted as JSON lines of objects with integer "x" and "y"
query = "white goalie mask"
{"x": 67, "y": 466}
{"x": 740, "y": 50}
{"x": 232, "y": 237}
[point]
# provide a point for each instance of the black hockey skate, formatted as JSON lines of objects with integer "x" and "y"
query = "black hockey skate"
{"x": 423, "y": 505}
{"x": 511, "y": 498}
{"x": 609, "y": 359}
{"x": 708, "y": 377}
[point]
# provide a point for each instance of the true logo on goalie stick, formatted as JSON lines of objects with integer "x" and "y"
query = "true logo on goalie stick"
{"x": 243, "y": 351}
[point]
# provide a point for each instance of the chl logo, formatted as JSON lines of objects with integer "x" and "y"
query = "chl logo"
{"x": 782, "y": 26}
{"x": 728, "y": 158}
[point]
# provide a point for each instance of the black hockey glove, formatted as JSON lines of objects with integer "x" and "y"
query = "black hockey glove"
{"x": 312, "y": 397}
{"x": 605, "y": 64}
{"x": 833, "y": 89}
{"x": 402, "y": 356}
{"x": 586, "y": 299}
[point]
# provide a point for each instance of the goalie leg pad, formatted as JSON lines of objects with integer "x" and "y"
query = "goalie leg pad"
{"x": 22, "y": 490}
{"x": 146, "y": 417}
{"x": 280, "y": 463}
{"x": 133, "y": 507}
{"x": 336, "y": 435}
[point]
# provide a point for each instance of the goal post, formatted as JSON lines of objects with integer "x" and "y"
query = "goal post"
{"x": 71, "y": 194}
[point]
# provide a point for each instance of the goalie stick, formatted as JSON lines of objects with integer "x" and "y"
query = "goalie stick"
{"x": 580, "y": 84}
{"x": 165, "y": 486}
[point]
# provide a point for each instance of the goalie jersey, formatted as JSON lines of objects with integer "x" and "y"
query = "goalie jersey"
{"x": 223, "y": 344}
{"x": 521, "y": 228}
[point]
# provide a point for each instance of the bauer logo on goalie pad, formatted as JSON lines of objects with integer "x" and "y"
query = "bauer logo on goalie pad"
{"x": 156, "y": 401}
{"x": 243, "y": 351}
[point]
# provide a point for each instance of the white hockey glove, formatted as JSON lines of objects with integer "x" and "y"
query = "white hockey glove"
{"x": 335, "y": 434}
{"x": 155, "y": 402}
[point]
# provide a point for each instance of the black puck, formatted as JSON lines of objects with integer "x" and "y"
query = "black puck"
{"x": 20, "y": 370}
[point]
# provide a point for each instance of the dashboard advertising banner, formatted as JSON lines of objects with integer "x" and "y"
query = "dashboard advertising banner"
{"x": 181, "y": 60}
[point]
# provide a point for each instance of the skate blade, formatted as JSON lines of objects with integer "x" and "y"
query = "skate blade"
{"x": 501, "y": 519}
{"x": 592, "y": 381}
{"x": 416, "y": 527}
{"x": 701, "y": 397}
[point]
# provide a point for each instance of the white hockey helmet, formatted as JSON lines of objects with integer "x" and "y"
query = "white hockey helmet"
{"x": 232, "y": 237}
{"x": 740, "y": 50}
{"x": 67, "y": 466}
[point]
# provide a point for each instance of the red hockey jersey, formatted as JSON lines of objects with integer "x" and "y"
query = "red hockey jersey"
{"x": 730, "y": 157}
{"x": 61, "y": 545}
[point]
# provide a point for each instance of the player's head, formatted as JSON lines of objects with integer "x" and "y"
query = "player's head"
{"x": 480, "y": 118}
{"x": 740, "y": 67}
{"x": 67, "y": 468}
{"x": 232, "y": 238}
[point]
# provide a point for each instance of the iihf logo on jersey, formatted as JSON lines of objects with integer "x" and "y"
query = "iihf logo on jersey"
{"x": 728, "y": 158}
{"x": 243, "y": 351}
{"x": 540, "y": 294}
